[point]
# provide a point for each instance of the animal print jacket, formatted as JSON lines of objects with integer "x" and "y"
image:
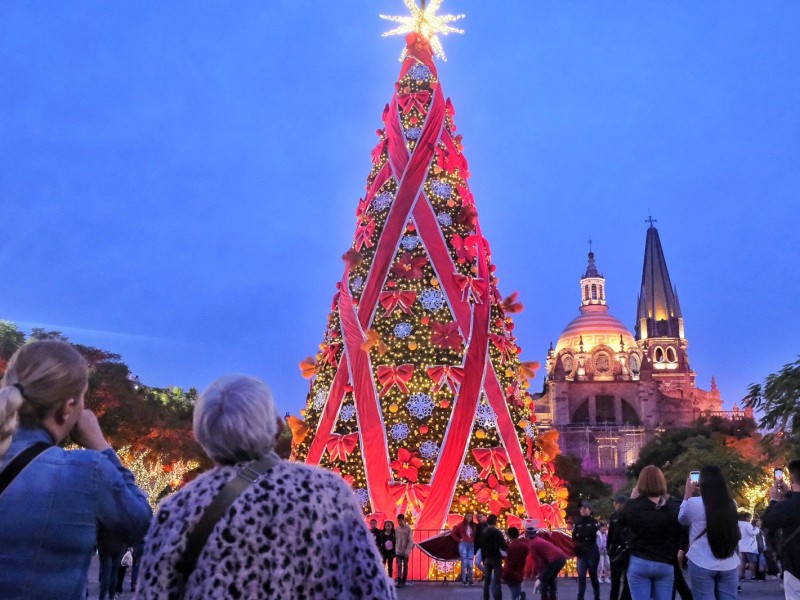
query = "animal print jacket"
{"x": 297, "y": 533}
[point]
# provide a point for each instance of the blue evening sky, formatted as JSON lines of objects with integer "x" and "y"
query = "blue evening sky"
{"x": 178, "y": 180}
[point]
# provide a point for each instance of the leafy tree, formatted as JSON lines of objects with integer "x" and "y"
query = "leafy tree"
{"x": 778, "y": 401}
{"x": 581, "y": 485}
{"x": 11, "y": 338}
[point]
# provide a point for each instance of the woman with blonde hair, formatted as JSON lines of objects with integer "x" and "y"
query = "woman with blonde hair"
{"x": 53, "y": 501}
{"x": 652, "y": 520}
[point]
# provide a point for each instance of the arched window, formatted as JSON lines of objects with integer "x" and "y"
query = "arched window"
{"x": 633, "y": 363}
{"x": 602, "y": 292}
{"x": 594, "y": 292}
{"x": 671, "y": 356}
{"x": 581, "y": 414}
{"x": 586, "y": 292}
{"x": 659, "y": 354}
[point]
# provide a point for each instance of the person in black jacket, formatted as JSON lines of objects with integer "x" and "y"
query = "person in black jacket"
{"x": 584, "y": 534}
{"x": 617, "y": 551}
{"x": 783, "y": 513}
{"x": 491, "y": 544}
{"x": 652, "y": 520}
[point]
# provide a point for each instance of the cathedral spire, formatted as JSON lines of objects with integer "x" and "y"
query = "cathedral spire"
{"x": 593, "y": 285}
{"x": 658, "y": 310}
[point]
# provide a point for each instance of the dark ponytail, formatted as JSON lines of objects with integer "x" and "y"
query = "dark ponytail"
{"x": 722, "y": 527}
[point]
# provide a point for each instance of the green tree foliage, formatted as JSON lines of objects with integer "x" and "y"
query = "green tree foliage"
{"x": 778, "y": 401}
{"x": 156, "y": 422}
{"x": 731, "y": 445}
{"x": 581, "y": 485}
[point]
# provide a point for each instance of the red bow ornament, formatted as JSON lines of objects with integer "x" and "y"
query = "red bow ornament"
{"x": 411, "y": 100}
{"x": 393, "y": 300}
{"x": 390, "y": 376}
{"x": 491, "y": 459}
{"x": 506, "y": 348}
{"x": 551, "y": 513}
{"x": 465, "y": 248}
{"x": 329, "y": 354}
{"x": 377, "y": 151}
{"x": 445, "y": 375}
{"x": 470, "y": 286}
{"x": 409, "y": 494}
{"x": 341, "y": 446}
{"x": 364, "y": 231}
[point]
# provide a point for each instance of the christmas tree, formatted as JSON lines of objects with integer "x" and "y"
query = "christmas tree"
{"x": 418, "y": 397}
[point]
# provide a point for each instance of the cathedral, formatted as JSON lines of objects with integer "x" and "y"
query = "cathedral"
{"x": 608, "y": 391}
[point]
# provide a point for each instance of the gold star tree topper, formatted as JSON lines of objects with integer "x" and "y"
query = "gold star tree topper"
{"x": 426, "y": 22}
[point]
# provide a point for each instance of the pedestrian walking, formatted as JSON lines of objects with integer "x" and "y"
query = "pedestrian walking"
{"x": 584, "y": 534}
{"x": 404, "y": 539}
{"x": 783, "y": 513}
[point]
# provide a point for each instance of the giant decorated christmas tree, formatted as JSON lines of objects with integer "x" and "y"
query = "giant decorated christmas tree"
{"x": 418, "y": 397}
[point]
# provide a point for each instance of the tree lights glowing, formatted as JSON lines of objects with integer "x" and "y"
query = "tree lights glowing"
{"x": 418, "y": 397}
{"x": 426, "y": 22}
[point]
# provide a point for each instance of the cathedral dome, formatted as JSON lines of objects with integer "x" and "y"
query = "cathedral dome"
{"x": 594, "y": 326}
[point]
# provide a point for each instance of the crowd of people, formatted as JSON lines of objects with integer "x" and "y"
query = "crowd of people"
{"x": 256, "y": 526}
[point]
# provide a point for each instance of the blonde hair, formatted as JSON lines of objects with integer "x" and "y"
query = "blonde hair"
{"x": 39, "y": 378}
{"x": 651, "y": 482}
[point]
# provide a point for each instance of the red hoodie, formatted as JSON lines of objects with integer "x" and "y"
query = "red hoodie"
{"x": 464, "y": 532}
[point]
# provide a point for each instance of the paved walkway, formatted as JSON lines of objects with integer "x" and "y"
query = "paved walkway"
{"x": 567, "y": 589}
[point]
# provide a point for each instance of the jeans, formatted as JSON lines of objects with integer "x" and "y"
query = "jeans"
{"x": 712, "y": 585}
{"x": 402, "y": 568}
{"x": 588, "y": 559}
{"x": 515, "y": 587}
{"x": 466, "y": 551}
{"x": 491, "y": 578}
{"x": 548, "y": 578}
{"x": 109, "y": 567}
{"x": 650, "y": 579}
{"x": 388, "y": 559}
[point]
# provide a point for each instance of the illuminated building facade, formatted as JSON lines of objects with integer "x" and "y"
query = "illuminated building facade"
{"x": 608, "y": 391}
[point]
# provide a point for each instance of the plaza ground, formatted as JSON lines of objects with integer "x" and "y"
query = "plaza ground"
{"x": 567, "y": 589}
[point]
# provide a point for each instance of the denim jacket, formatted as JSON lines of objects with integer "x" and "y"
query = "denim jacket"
{"x": 50, "y": 514}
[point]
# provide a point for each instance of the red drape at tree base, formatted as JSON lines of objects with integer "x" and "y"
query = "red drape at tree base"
{"x": 443, "y": 299}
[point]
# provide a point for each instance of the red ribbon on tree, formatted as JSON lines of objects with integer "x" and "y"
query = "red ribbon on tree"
{"x": 413, "y": 494}
{"x": 414, "y": 100}
{"x": 445, "y": 375}
{"x": 470, "y": 286}
{"x": 392, "y": 300}
{"x": 377, "y": 151}
{"x": 390, "y": 376}
{"x": 491, "y": 459}
{"x": 341, "y": 446}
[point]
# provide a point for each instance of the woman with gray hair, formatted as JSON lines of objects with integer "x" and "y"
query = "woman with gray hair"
{"x": 284, "y": 530}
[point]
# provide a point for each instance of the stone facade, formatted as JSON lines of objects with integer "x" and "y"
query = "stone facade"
{"x": 608, "y": 391}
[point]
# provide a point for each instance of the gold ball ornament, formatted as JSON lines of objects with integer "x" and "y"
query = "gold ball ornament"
{"x": 393, "y": 408}
{"x": 480, "y": 434}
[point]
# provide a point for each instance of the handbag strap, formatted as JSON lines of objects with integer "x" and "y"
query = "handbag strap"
{"x": 19, "y": 462}
{"x": 216, "y": 510}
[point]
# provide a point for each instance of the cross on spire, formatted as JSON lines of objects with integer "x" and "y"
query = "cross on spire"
{"x": 590, "y": 244}
{"x": 650, "y": 220}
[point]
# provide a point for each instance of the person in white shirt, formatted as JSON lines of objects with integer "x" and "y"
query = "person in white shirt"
{"x": 713, "y": 536}
{"x": 748, "y": 546}
{"x": 604, "y": 567}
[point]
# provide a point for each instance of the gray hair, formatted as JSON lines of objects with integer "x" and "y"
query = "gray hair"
{"x": 235, "y": 419}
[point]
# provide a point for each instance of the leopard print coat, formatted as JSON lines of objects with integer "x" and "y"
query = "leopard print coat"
{"x": 297, "y": 533}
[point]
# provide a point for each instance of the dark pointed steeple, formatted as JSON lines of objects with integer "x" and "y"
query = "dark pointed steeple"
{"x": 658, "y": 310}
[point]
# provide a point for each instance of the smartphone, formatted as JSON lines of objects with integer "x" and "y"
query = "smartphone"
{"x": 695, "y": 476}
{"x": 778, "y": 474}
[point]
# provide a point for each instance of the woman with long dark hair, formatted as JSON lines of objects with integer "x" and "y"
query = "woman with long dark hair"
{"x": 713, "y": 536}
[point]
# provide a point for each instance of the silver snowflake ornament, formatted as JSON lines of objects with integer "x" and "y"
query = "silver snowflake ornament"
{"x": 469, "y": 473}
{"x": 420, "y": 406}
{"x": 409, "y": 242}
{"x": 445, "y": 219}
{"x": 347, "y": 412}
{"x": 382, "y": 201}
{"x": 320, "y": 399}
{"x": 419, "y": 72}
{"x": 399, "y": 431}
{"x": 428, "y": 449}
{"x": 431, "y": 299}
{"x": 485, "y": 416}
{"x": 441, "y": 188}
{"x": 362, "y": 496}
{"x": 403, "y": 330}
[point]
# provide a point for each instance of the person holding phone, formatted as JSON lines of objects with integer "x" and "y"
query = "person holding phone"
{"x": 52, "y": 509}
{"x": 783, "y": 513}
{"x": 713, "y": 535}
